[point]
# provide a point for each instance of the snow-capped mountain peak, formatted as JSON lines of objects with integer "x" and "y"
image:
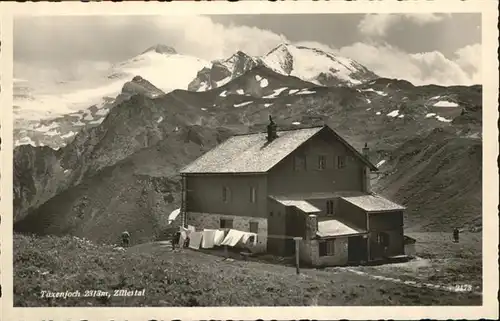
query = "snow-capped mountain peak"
{"x": 309, "y": 64}
{"x": 161, "y": 49}
{"x": 224, "y": 70}
{"x": 317, "y": 66}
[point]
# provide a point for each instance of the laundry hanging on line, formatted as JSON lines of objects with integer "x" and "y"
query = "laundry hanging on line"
{"x": 236, "y": 237}
{"x": 195, "y": 240}
{"x": 219, "y": 237}
{"x": 208, "y": 239}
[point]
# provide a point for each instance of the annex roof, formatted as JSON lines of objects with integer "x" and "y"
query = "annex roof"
{"x": 302, "y": 205}
{"x": 316, "y": 195}
{"x": 373, "y": 203}
{"x": 336, "y": 228}
{"x": 252, "y": 153}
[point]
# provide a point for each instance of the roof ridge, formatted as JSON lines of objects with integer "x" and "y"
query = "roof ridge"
{"x": 283, "y": 130}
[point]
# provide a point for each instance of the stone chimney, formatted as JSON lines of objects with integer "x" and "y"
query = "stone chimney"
{"x": 311, "y": 226}
{"x": 366, "y": 151}
{"x": 271, "y": 130}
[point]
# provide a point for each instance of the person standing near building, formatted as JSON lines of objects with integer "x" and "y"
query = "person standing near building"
{"x": 125, "y": 239}
{"x": 456, "y": 234}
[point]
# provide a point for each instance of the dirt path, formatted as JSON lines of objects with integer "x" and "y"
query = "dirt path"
{"x": 463, "y": 288}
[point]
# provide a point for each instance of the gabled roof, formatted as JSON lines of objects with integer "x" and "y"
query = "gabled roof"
{"x": 373, "y": 203}
{"x": 251, "y": 153}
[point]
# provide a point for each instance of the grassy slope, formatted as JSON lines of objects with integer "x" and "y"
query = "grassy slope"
{"x": 136, "y": 194}
{"x": 438, "y": 178}
{"x": 171, "y": 279}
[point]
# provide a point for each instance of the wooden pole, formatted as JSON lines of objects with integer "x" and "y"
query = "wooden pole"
{"x": 297, "y": 240}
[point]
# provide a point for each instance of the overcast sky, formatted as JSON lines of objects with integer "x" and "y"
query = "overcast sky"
{"x": 422, "y": 48}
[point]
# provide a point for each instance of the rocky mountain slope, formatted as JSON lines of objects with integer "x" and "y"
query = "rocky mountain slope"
{"x": 50, "y": 114}
{"x": 122, "y": 173}
{"x": 58, "y": 131}
{"x": 309, "y": 64}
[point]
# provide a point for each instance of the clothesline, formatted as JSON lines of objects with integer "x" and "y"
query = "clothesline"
{"x": 274, "y": 236}
{"x": 208, "y": 238}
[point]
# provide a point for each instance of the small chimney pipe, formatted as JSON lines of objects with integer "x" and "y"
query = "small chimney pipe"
{"x": 271, "y": 130}
{"x": 366, "y": 150}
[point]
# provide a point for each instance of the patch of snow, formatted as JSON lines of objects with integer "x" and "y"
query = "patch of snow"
{"x": 306, "y": 92}
{"x": 240, "y": 91}
{"x": 401, "y": 116}
{"x": 68, "y": 135}
{"x": 378, "y": 113}
{"x": 258, "y": 78}
{"x": 393, "y": 113}
{"x": 203, "y": 86}
{"x": 445, "y": 103}
{"x": 25, "y": 141}
{"x": 267, "y": 105}
{"x": 223, "y": 94}
{"x": 66, "y": 170}
{"x": 44, "y": 128}
{"x": 52, "y": 133}
{"x": 429, "y": 115}
{"x": 296, "y": 123}
{"x": 444, "y": 120}
{"x": 368, "y": 108}
{"x": 381, "y": 93}
{"x": 276, "y": 92}
{"x": 368, "y": 101}
{"x": 380, "y": 163}
{"x": 435, "y": 97}
{"x": 293, "y": 91}
{"x": 79, "y": 123}
{"x": 288, "y": 105}
{"x": 88, "y": 116}
{"x": 160, "y": 119}
{"x": 243, "y": 104}
{"x": 204, "y": 108}
{"x": 100, "y": 120}
{"x": 264, "y": 83}
{"x": 102, "y": 112}
{"x": 223, "y": 81}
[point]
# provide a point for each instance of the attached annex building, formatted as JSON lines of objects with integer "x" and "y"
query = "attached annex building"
{"x": 306, "y": 182}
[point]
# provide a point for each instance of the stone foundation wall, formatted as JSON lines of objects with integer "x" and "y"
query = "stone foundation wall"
{"x": 309, "y": 253}
{"x": 212, "y": 221}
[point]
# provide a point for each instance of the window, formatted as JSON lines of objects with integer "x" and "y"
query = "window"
{"x": 254, "y": 227}
{"x": 327, "y": 248}
{"x": 226, "y": 223}
{"x": 299, "y": 163}
{"x": 329, "y": 207}
{"x": 226, "y": 194}
{"x": 321, "y": 162}
{"x": 383, "y": 239}
{"x": 341, "y": 160}
{"x": 253, "y": 195}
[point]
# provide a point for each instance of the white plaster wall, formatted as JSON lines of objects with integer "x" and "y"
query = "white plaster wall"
{"x": 242, "y": 223}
